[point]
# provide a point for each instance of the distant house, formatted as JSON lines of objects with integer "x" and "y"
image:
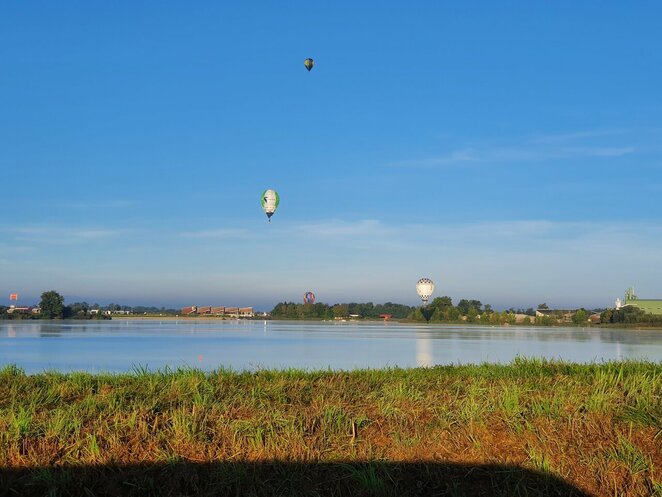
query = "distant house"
{"x": 522, "y": 318}
{"x": 244, "y": 312}
{"x": 564, "y": 315}
{"x": 12, "y": 309}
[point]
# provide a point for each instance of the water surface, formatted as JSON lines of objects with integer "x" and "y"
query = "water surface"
{"x": 124, "y": 345}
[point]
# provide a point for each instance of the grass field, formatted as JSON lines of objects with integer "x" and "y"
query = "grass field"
{"x": 532, "y": 427}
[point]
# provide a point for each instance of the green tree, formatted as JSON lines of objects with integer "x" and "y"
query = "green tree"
{"x": 438, "y": 315}
{"x": 545, "y": 320}
{"x": 510, "y": 318}
{"x": 52, "y": 305}
{"x": 441, "y": 303}
{"x": 464, "y": 305}
{"x": 79, "y": 308}
{"x": 452, "y": 314}
{"x": 606, "y": 316}
{"x": 340, "y": 310}
{"x": 472, "y": 315}
{"x": 580, "y": 317}
{"x": 543, "y": 306}
{"x": 418, "y": 315}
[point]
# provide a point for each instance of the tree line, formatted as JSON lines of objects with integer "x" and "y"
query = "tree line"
{"x": 291, "y": 310}
{"x": 441, "y": 309}
{"x": 630, "y": 315}
{"x": 52, "y": 306}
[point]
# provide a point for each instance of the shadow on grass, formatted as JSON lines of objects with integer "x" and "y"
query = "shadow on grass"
{"x": 283, "y": 478}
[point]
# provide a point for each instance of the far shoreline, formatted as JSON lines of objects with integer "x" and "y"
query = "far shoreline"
{"x": 604, "y": 326}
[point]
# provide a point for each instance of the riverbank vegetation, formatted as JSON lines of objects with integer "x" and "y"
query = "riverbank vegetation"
{"x": 532, "y": 427}
{"x": 629, "y": 315}
{"x": 442, "y": 310}
{"x": 292, "y": 310}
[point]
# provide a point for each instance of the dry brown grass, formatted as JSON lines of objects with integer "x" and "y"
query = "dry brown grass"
{"x": 596, "y": 427}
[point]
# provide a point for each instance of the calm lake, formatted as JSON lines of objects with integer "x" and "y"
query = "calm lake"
{"x": 123, "y": 345}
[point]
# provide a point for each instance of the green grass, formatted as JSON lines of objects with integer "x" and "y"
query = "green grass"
{"x": 592, "y": 424}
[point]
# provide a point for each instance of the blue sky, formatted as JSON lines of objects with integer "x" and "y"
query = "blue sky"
{"x": 511, "y": 152}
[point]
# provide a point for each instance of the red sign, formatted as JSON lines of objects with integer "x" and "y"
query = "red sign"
{"x": 13, "y": 296}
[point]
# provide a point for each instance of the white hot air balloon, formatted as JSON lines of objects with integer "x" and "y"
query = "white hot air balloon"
{"x": 270, "y": 200}
{"x": 424, "y": 288}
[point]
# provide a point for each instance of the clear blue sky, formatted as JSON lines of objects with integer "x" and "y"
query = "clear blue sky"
{"x": 510, "y": 152}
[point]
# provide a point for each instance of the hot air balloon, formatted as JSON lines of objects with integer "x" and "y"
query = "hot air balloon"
{"x": 309, "y": 298}
{"x": 270, "y": 201}
{"x": 309, "y": 63}
{"x": 424, "y": 288}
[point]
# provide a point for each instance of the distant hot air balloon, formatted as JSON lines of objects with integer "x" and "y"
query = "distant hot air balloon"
{"x": 424, "y": 288}
{"x": 309, "y": 298}
{"x": 270, "y": 201}
{"x": 309, "y": 63}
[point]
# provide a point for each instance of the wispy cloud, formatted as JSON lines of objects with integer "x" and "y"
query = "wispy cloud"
{"x": 222, "y": 233}
{"x": 454, "y": 158}
{"x": 578, "y": 135}
{"x": 341, "y": 229}
{"x": 36, "y": 234}
{"x": 538, "y": 149}
{"x": 487, "y": 238}
{"x": 522, "y": 154}
{"x": 102, "y": 204}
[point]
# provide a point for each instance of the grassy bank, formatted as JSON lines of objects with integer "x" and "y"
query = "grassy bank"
{"x": 528, "y": 428}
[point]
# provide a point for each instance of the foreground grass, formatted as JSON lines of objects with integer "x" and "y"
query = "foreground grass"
{"x": 372, "y": 432}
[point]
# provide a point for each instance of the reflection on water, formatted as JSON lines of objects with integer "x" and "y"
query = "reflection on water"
{"x": 122, "y": 345}
{"x": 423, "y": 350}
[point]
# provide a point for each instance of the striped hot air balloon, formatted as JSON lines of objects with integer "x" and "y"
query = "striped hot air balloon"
{"x": 309, "y": 298}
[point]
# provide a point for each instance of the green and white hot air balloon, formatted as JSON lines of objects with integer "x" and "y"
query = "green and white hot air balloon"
{"x": 270, "y": 201}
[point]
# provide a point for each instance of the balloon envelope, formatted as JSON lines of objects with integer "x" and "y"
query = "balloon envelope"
{"x": 309, "y": 63}
{"x": 269, "y": 201}
{"x": 424, "y": 288}
{"x": 309, "y": 298}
